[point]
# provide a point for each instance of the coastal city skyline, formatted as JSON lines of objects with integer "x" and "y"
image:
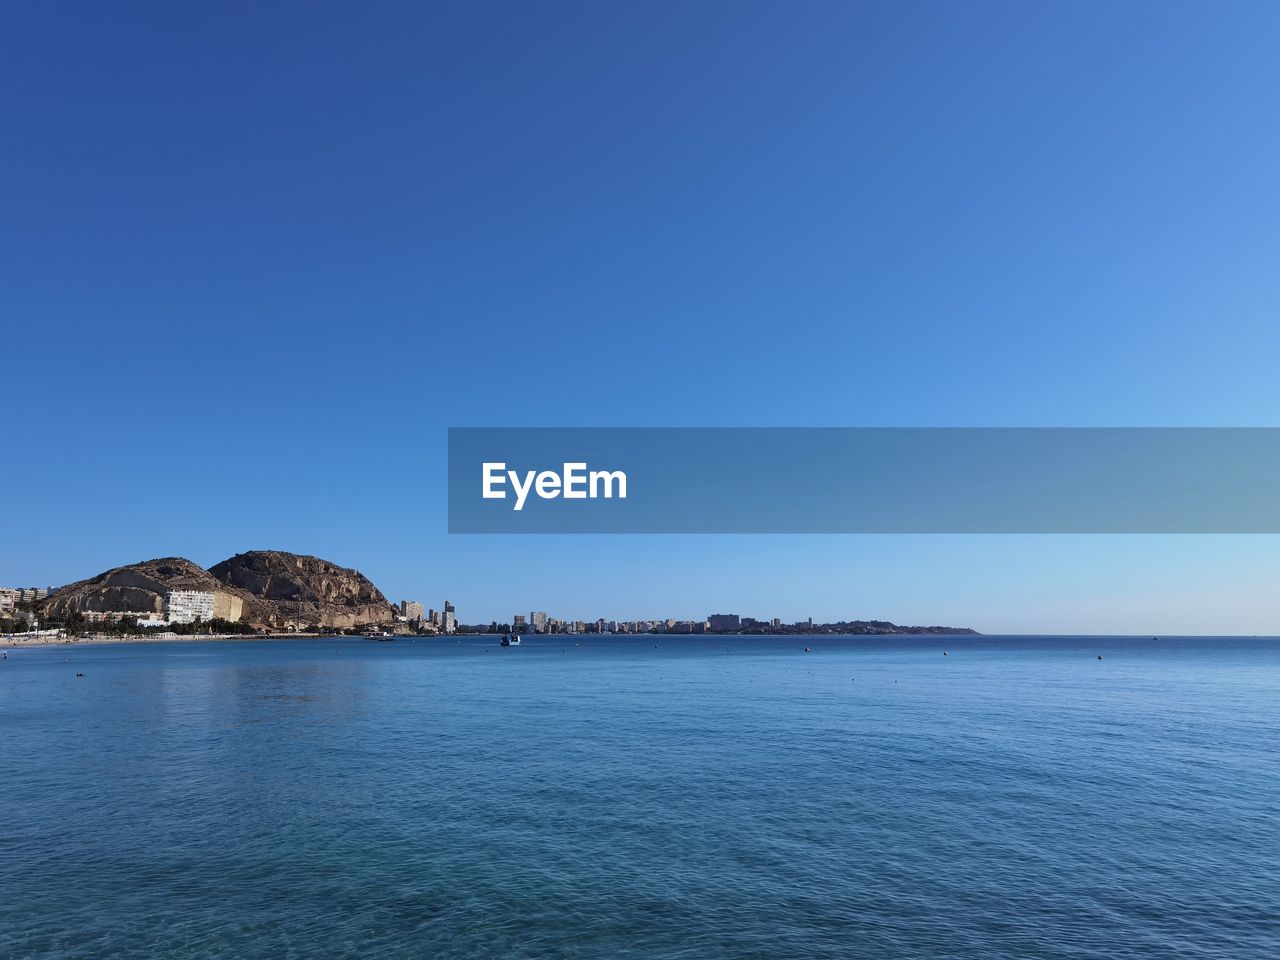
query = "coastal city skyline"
{"x": 24, "y": 611}
{"x": 538, "y": 622}
{"x": 948, "y": 603}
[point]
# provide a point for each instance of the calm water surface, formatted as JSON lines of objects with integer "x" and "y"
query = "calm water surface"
{"x": 697, "y": 798}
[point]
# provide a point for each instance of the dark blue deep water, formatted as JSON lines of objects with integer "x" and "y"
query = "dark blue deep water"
{"x": 701, "y": 798}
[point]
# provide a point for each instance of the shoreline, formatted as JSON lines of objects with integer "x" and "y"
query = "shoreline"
{"x": 18, "y": 643}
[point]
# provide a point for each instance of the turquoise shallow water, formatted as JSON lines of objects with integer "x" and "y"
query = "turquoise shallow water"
{"x": 697, "y": 798}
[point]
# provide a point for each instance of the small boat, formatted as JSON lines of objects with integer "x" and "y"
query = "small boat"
{"x": 510, "y": 640}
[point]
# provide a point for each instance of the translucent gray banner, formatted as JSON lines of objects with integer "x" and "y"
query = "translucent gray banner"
{"x": 864, "y": 480}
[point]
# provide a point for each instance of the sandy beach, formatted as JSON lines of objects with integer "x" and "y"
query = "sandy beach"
{"x": 19, "y": 642}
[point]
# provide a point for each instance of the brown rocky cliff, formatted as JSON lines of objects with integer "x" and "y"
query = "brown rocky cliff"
{"x": 292, "y": 589}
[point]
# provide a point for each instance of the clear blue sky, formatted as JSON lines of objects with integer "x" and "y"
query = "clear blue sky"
{"x": 256, "y": 258}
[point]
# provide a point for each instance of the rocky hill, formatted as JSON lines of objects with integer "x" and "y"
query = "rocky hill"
{"x": 142, "y": 588}
{"x": 286, "y": 589}
{"x": 266, "y": 588}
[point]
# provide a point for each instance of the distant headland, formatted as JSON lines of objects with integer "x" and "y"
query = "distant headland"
{"x": 257, "y": 591}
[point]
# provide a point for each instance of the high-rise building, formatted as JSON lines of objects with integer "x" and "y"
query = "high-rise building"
{"x": 411, "y": 609}
{"x": 449, "y": 623}
{"x": 538, "y": 620}
{"x": 724, "y": 621}
{"x": 517, "y": 623}
{"x": 188, "y": 606}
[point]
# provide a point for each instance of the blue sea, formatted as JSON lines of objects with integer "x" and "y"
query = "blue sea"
{"x": 600, "y": 797}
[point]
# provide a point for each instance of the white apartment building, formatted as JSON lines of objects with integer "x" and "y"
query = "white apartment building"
{"x": 187, "y": 606}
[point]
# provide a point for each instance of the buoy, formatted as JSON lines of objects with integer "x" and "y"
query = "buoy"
{"x": 1099, "y": 656}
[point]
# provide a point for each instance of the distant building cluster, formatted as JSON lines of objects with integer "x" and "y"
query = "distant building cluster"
{"x": 430, "y": 621}
{"x": 10, "y": 597}
{"x": 539, "y": 621}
